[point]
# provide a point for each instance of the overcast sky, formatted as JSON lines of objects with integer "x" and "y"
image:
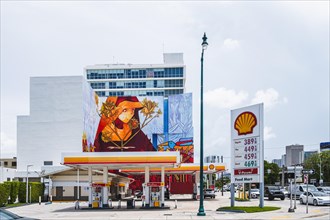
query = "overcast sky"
{"x": 276, "y": 52}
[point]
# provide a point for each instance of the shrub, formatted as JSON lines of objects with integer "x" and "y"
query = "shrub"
{"x": 22, "y": 192}
{"x": 37, "y": 190}
{"x": 13, "y": 191}
{"x": 5, "y": 190}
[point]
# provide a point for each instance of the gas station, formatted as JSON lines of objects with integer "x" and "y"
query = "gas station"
{"x": 146, "y": 163}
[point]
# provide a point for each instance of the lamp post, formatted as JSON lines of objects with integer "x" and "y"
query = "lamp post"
{"x": 201, "y": 189}
{"x": 27, "y": 183}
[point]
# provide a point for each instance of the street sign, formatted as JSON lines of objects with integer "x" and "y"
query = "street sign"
{"x": 313, "y": 181}
{"x": 308, "y": 171}
{"x": 305, "y": 178}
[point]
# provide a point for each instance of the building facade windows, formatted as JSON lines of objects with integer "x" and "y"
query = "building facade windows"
{"x": 48, "y": 163}
{"x": 139, "y": 80}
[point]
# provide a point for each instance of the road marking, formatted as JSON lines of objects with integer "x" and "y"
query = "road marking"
{"x": 317, "y": 210}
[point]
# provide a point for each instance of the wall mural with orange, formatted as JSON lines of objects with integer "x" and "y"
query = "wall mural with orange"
{"x": 132, "y": 123}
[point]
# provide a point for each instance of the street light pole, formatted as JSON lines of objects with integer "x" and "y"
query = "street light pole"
{"x": 27, "y": 183}
{"x": 201, "y": 199}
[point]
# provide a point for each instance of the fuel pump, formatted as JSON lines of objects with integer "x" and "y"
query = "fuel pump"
{"x": 155, "y": 197}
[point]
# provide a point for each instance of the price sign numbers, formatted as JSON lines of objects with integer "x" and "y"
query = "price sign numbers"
{"x": 250, "y": 156}
{"x": 250, "y": 163}
{"x": 249, "y": 141}
{"x": 252, "y": 148}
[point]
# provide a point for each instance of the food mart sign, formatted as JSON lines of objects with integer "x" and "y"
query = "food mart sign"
{"x": 247, "y": 153}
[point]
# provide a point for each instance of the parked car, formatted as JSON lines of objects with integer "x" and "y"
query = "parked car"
{"x": 300, "y": 189}
{"x": 315, "y": 198}
{"x": 255, "y": 193}
{"x": 274, "y": 192}
{"x": 5, "y": 214}
{"x": 286, "y": 192}
{"x": 324, "y": 189}
{"x": 209, "y": 193}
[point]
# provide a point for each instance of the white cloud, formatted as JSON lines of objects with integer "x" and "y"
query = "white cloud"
{"x": 225, "y": 98}
{"x": 269, "y": 97}
{"x": 231, "y": 44}
{"x": 268, "y": 133}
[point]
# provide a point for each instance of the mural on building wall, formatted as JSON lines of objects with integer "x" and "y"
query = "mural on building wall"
{"x": 180, "y": 127}
{"x": 144, "y": 124}
{"x": 90, "y": 117}
{"x": 120, "y": 127}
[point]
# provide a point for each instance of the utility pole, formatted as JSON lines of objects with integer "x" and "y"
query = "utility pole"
{"x": 283, "y": 168}
{"x": 222, "y": 178}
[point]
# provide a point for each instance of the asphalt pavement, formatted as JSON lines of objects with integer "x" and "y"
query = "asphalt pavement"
{"x": 178, "y": 209}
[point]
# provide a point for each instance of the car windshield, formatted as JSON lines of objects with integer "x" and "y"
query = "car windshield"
{"x": 210, "y": 190}
{"x": 319, "y": 194}
{"x": 310, "y": 188}
{"x": 273, "y": 187}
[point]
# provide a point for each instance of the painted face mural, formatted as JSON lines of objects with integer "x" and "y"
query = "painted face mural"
{"x": 143, "y": 124}
{"x": 120, "y": 128}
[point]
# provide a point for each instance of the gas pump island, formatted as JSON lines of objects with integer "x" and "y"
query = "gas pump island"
{"x": 155, "y": 189}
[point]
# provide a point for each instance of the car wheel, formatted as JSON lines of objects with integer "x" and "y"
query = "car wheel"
{"x": 315, "y": 202}
{"x": 270, "y": 197}
{"x": 283, "y": 197}
{"x": 301, "y": 201}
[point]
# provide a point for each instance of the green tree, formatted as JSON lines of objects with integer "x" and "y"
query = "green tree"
{"x": 314, "y": 162}
{"x": 273, "y": 176}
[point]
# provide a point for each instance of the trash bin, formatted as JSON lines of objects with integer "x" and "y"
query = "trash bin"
{"x": 130, "y": 204}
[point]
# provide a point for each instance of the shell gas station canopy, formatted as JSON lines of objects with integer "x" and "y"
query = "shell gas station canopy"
{"x": 135, "y": 162}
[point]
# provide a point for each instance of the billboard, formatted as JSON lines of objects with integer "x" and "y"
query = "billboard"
{"x": 133, "y": 123}
{"x": 247, "y": 144}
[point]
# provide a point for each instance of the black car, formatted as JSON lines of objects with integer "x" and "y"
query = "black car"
{"x": 5, "y": 214}
{"x": 274, "y": 192}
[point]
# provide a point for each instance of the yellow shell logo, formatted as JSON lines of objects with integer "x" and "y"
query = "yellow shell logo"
{"x": 245, "y": 123}
{"x": 211, "y": 166}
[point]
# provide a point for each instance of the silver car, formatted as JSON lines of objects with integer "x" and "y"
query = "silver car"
{"x": 255, "y": 193}
{"x": 315, "y": 198}
{"x": 209, "y": 193}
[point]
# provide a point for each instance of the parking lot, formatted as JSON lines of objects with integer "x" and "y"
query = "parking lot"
{"x": 178, "y": 209}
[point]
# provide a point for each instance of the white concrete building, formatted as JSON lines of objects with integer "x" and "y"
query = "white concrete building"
{"x": 54, "y": 125}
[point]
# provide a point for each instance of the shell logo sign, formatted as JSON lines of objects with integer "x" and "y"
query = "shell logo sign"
{"x": 211, "y": 166}
{"x": 245, "y": 122}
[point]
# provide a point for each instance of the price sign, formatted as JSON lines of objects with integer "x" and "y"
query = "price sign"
{"x": 247, "y": 147}
{"x": 246, "y": 152}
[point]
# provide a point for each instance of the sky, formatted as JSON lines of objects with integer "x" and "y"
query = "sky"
{"x": 275, "y": 52}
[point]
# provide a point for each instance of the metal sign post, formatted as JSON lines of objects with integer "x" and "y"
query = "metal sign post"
{"x": 306, "y": 173}
{"x": 307, "y": 196}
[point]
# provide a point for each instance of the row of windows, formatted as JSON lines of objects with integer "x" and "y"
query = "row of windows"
{"x": 135, "y": 74}
{"x": 98, "y": 85}
{"x": 140, "y": 93}
{"x": 140, "y": 84}
{"x": 13, "y": 163}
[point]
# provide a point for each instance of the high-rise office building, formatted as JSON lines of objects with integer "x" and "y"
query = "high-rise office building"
{"x": 278, "y": 162}
{"x": 294, "y": 154}
{"x": 308, "y": 154}
{"x": 139, "y": 79}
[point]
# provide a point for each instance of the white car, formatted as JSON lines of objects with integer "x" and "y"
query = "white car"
{"x": 255, "y": 193}
{"x": 324, "y": 189}
{"x": 315, "y": 198}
